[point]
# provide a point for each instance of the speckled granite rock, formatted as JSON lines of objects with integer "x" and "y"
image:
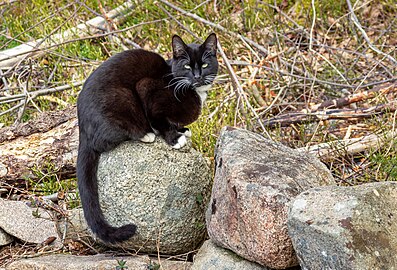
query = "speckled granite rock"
{"x": 212, "y": 257}
{"x": 100, "y": 262}
{"x": 346, "y": 227}
{"x": 162, "y": 190}
{"x": 255, "y": 181}
{"x": 18, "y": 220}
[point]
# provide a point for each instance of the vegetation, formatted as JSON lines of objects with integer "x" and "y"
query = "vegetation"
{"x": 302, "y": 53}
{"x": 281, "y": 59}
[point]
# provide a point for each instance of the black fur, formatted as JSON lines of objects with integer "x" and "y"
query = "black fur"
{"x": 131, "y": 94}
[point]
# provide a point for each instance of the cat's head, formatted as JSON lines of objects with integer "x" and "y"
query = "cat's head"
{"x": 194, "y": 65}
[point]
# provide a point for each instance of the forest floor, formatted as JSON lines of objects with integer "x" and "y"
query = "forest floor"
{"x": 320, "y": 75}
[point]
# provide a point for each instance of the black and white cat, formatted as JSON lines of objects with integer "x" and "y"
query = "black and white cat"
{"x": 137, "y": 95}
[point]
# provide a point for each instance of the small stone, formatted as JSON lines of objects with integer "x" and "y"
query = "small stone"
{"x": 212, "y": 257}
{"x": 32, "y": 225}
{"x": 5, "y": 238}
{"x": 346, "y": 227}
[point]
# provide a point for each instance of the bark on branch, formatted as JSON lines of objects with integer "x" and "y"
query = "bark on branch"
{"x": 49, "y": 141}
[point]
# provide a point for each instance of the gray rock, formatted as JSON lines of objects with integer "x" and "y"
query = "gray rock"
{"x": 32, "y": 225}
{"x": 162, "y": 190}
{"x": 212, "y": 257}
{"x": 102, "y": 262}
{"x": 74, "y": 226}
{"x": 255, "y": 180}
{"x": 346, "y": 227}
{"x": 5, "y": 238}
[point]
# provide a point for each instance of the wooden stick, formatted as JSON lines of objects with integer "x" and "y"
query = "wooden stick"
{"x": 40, "y": 92}
{"x": 324, "y": 111}
{"x": 364, "y": 95}
{"x": 331, "y": 150}
{"x": 336, "y": 114}
{"x": 9, "y": 57}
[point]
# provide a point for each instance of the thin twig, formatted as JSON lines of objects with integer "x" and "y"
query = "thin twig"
{"x": 42, "y": 92}
{"x": 239, "y": 91}
{"x": 216, "y": 26}
{"x": 364, "y": 34}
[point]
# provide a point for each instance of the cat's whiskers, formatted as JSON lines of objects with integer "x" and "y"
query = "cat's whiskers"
{"x": 209, "y": 79}
{"x": 181, "y": 86}
{"x": 176, "y": 79}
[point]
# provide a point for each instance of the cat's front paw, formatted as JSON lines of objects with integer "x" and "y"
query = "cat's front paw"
{"x": 181, "y": 142}
{"x": 186, "y": 132}
{"x": 148, "y": 138}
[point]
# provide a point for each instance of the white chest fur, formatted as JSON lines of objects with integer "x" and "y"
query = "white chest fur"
{"x": 202, "y": 91}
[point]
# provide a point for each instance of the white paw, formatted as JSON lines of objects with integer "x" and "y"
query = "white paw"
{"x": 181, "y": 142}
{"x": 188, "y": 133}
{"x": 148, "y": 138}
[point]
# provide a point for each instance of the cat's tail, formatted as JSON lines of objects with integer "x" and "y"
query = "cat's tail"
{"x": 87, "y": 164}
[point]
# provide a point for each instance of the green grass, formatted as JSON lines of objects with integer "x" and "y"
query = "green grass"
{"x": 48, "y": 181}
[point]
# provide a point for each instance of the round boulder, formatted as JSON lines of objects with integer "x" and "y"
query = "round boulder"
{"x": 161, "y": 190}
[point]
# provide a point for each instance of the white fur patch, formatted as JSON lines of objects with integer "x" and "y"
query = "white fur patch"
{"x": 202, "y": 91}
{"x": 148, "y": 138}
{"x": 181, "y": 142}
{"x": 188, "y": 133}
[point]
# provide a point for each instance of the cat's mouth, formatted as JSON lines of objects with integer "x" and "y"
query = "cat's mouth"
{"x": 203, "y": 82}
{"x": 198, "y": 84}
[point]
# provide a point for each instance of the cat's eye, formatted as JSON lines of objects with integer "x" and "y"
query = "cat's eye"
{"x": 187, "y": 67}
{"x": 204, "y": 65}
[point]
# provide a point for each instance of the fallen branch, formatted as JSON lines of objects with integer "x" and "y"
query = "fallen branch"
{"x": 313, "y": 113}
{"x": 331, "y": 150}
{"x": 50, "y": 141}
{"x": 333, "y": 114}
{"x": 311, "y": 79}
{"x": 364, "y": 95}
{"x": 40, "y": 92}
{"x": 10, "y": 57}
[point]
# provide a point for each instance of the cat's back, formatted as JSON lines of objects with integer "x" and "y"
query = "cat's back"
{"x": 130, "y": 66}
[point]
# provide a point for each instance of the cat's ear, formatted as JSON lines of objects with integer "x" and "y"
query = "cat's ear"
{"x": 210, "y": 43}
{"x": 178, "y": 46}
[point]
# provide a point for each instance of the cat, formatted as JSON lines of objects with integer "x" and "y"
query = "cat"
{"x": 138, "y": 95}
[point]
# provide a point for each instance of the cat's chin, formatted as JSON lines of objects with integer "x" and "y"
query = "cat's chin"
{"x": 202, "y": 92}
{"x": 203, "y": 88}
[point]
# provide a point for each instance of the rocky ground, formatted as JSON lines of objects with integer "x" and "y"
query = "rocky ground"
{"x": 271, "y": 207}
